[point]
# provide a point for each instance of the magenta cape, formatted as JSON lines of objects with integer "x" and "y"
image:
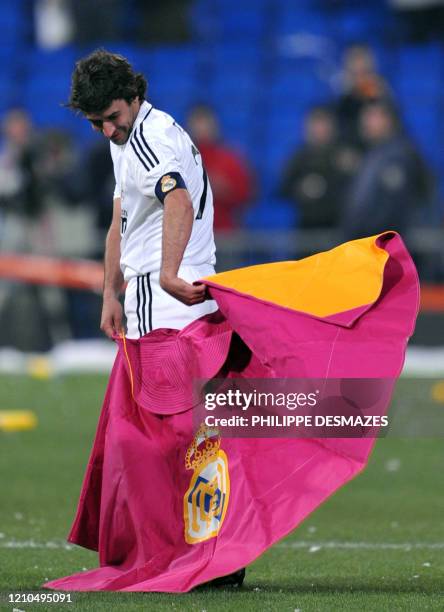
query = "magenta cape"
{"x": 165, "y": 516}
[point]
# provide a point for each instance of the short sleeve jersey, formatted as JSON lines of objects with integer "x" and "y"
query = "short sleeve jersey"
{"x": 157, "y": 156}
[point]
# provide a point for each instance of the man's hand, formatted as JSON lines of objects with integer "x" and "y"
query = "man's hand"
{"x": 112, "y": 314}
{"x": 183, "y": 291}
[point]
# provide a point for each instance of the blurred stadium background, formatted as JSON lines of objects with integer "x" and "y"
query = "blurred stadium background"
{"x": 260, "y": 66}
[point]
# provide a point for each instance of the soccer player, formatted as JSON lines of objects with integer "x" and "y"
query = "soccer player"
{"x": 161, "y": 236}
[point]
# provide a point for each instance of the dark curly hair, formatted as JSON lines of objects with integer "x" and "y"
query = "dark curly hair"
{"x": 102, "y": 77}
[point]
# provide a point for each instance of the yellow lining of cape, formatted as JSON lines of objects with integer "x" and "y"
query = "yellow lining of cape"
{"x": 346, "y": 277}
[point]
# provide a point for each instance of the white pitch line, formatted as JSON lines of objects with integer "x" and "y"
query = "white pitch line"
{"x": 300, "y": 545}
{"x": 315, "y": 546}
{"x": 33, "y": 544}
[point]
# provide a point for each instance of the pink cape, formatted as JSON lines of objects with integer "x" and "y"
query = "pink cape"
{"x": 164, "y": 520}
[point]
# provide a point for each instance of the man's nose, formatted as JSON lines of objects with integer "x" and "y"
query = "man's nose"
{"x": 108, "y": 129}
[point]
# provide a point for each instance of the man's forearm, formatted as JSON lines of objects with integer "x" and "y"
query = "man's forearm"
{"x": 176, "y": 231}
{"x": 178, "y": 216}
{"x": 113, "y": 280}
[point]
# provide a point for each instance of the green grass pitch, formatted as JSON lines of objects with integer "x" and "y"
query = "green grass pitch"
{"x": 376, "y": 545}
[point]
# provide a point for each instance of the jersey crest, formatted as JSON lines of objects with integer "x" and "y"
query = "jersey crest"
{"x": 167, "y": 183}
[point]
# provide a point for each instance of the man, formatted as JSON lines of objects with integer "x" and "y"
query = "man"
{"x": 161, "y": 236}
{"x": 232, "y": 182}
{"x": 393, "y": 187}
{"x": 22, "y": 217}
{"x": 361, "y": 84}
{"x": 317, "y": 175}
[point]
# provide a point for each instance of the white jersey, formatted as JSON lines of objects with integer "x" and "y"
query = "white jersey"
{"x": 156, "y": 148}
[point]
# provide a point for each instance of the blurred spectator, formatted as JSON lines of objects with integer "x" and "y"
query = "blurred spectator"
{"x": 57, "y": 168}
{"x": 162, "y": 21}
{"x": 102, "y": 20}
{"x": 100, "y": 183}
{"x": 230, "y": 178}
{"x": 393, "y": 186}
{"x": 23, "y": 319}
{"x": 71, "y": 222}
{"x": 20, "y": 197}
{"x": 317, "y": 175}
{"x": 54, "y": 24}
{"x": 43, "y": 211}
{"x": 362, "y": 84}
{"x": 424, "y": 19}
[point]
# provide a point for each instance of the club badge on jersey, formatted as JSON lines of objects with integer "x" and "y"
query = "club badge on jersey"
{"x": 168, "y": 183}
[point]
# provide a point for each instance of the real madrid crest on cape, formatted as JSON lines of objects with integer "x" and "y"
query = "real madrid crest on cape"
{"x": 206, "y": 500}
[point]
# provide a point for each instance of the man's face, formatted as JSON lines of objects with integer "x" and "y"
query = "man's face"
{"x": 116, "y": 122}
{"x": 376, "y": 124}
{"x": 203, "y": 127}
{"x": 320, "y": 129}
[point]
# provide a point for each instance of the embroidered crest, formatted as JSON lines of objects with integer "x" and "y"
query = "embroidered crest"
{"x": 167, "y": 183}
{"x": 206, "y": 500}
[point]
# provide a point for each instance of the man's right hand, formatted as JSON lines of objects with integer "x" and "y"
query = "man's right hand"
{"x": 112, "y": 315}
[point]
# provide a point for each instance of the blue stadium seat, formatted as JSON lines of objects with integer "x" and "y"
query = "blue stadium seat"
{"x": 244, "y": 21}
{"x": 293, "y": 18}
{"x": 420, "y": 69}
{"x": 302, "y": 5}
{"x": 236, "y": 54}
{"x": 204, "y": 20}
{"x": 9, "y": 95}
{"x": 238, "y": 89}
{"x": 283, "y": 137}
{"x": 48, "y": 112}
{"x": 237, "y": 128}
{"x": 424, "y": 124}
{"x": 177, "y": 106}
{"x": 13, "y": 22}
{"x": 233, "y": 5}
{"x": 10, "y": 85}
{"x": 171, "y": 69}
{"x": 407, "y": 86}
{"x": 418, "y": 59}
{"x": 299, "y": 88}
{"x": 366, "y": 23}
{"x": 59, "y": 61}
{"x": 48, "y": 84}
{"x": 271, "y": 214}
{"x": 172, "y": 60}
